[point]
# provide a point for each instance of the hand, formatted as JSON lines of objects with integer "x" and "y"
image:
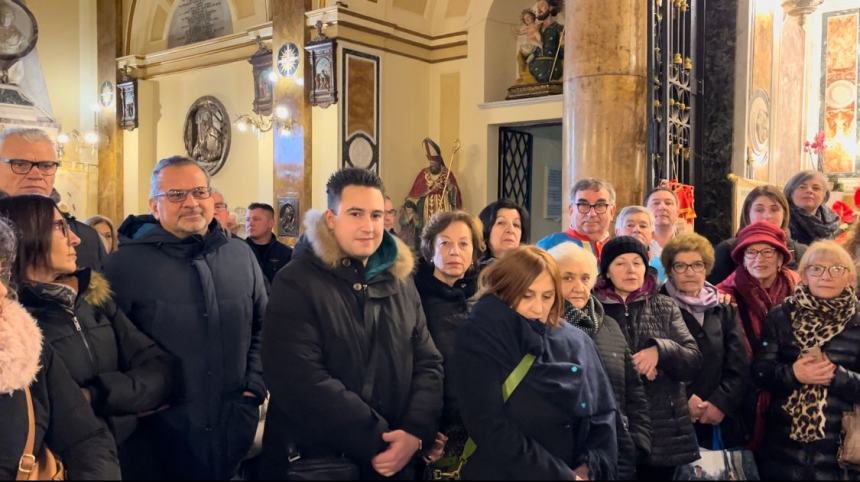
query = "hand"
{"x": 651, "y": 375}
{"x": 88, "y": 395}
{"x": 711, "y": 414}
{"x": 726, "y": 299}
{"x": 402, "y": 446}
{"x": 151, "y": 412}
{"x": 811, "y": 372}
{"x": 646, "y": 360}
{"x": 438, "y": 450}
{"x": 694, "y": 404}
{"x": 581, "y": 473}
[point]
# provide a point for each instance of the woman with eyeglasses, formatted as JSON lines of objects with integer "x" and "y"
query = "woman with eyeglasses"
{"x": 810, "y": 363}
{"x": 120, "y": 371}
{"x": 763, "y": 203}
{"x": 664, "y": 353}
{"x": 760, "y": 282}
{"x": 715, "y": 394}
{"x": 506, "y": 227}
{"x": 62, "y": 419}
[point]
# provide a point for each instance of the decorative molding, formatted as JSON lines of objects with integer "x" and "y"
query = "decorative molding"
{"x": 389, "y": 37}
{"x": 549, "y": 99}
{"x": 218, "y": 51}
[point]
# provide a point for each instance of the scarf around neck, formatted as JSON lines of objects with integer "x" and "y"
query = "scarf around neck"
{"x": 707, "y": 298}
{"x": 814, "y": 322}
{"x": 757, "y": 299}
{"x": 588, "y": 319}
{"x": 821, "y": 225}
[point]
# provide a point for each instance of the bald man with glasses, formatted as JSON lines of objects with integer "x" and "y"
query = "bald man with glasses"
{"x": 28, "y": 165}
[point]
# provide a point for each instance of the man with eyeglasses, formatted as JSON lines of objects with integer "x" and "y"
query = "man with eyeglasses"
{"x": 592, "y": 207}
{"x": 201, "y": 295}
{"x": 28, "y": 165}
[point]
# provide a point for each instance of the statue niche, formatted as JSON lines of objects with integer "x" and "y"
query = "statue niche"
{"x": 540, "y": 51}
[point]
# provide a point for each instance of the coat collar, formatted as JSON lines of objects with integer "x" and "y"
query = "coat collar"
{"x": 325, "y": 247}
{"x": 20, "y": 347}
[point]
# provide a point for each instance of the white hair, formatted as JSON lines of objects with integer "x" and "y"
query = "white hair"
{"x": 573, "y": 253}
{"x": 31, "y": 135}
{"x": 630, "y": 210}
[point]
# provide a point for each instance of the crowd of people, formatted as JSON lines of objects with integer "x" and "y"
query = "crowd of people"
{"x": 147, "y": 351}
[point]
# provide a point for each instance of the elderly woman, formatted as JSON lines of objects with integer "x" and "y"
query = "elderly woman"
{"x": 664, "y": 352}
{"x": 811, "y": 219}
{"x": 810, "y": 362}
{"x": 30, "y": 374}
{"x": 107, "y": 232}
{"x": 506, "y": 227}
{"x": 638, "y": 222}
{"x": 451, "y": 245}
{"x": 760, "y": 282}
{"x": 763, "y": 203}
{"x": 716, "y": 393}
{"x": 578, "y": 268}
{"x": 556, "y": 420}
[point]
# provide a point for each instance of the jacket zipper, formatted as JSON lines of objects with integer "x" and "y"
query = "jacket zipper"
{"x": 84, "y": 339}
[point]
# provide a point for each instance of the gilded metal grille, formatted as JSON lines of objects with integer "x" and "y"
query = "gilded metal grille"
{"x": 515, "y": 166}
{"x": 673, "y": 87}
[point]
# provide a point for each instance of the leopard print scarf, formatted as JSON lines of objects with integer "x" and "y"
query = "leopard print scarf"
{"x": 814, "y": 322}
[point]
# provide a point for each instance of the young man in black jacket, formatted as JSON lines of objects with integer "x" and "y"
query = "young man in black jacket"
{"x": 347, "y": 356}
{"x": 271, "y": 253}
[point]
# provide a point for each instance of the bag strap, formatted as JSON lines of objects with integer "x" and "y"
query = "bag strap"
{"x": 28, "y": 461}
{"x": 511, "y": 383}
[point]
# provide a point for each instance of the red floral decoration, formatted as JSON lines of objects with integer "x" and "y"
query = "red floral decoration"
{"x": 844, "y": 211}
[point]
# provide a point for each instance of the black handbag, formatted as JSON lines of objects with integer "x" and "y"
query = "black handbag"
{"x": 333, "y": 467}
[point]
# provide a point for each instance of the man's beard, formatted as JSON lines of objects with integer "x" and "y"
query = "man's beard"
{"x": 543, "y": 16}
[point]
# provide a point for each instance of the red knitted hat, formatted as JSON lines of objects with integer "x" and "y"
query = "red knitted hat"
{"x": 761, "y": 232}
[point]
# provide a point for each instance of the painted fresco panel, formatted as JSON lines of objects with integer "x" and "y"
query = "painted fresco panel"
{"x": 839, "y": 88}
{"x": 788, "y": 134}
{"x": 759, "y": 115}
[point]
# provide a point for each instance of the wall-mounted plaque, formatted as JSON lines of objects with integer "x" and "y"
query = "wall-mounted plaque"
{"x": 207, "y": 133}
{"x": 18, "y": 34}
{"x": 323, "y": 54}
{"x": 288, "y": 216}
{"x": 198, "y": 20}
{"x": 126, "y": 106}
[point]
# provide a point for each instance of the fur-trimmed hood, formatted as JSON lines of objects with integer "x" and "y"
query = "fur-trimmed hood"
{"x": 20, "y": 347}
{"x": 324, "y": 245}
{"x": 98, "y": 292}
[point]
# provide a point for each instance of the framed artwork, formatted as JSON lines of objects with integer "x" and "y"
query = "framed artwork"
{"x": 18, "y": 34}
{"x": 261, "y": 62}
{"x": 288, "y": 216}
{"x": 207, "y": 133}
{"x": 361, "y": 113}
{"x": 840, "y": 84}
{"x": 126, "y": 105}
{"x": 322, "y": 53}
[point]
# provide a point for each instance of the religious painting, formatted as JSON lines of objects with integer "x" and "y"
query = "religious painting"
{"x": 126, "y": 105}
{"x": 288, "y": 216}
{"x": 261, "y": 62}
{"x": 839, "y": 87}
{"x": 322, "y": 52}
{"x": 197, "y": 20}
{"x": 207, "y": 133}
{"x": 759, "y": 114}
{"x": 18, "y": 34}
{"x": 789, "y": 108}
{"x": 361, "y": 110}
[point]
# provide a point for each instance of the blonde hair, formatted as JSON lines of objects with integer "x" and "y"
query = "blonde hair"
{"x": 833, "y": 250}
{"x": 572, "y": 253}
{"x": 510, "y": 277}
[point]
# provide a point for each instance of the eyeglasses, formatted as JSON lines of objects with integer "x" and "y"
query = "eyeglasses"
{"x": 599, "y": 208}
{"x": 816, "y": 270}
{"x": 180, "y": 195}
{"x": 217, "y": 205}
{"x": 680, "y": 268}
{"x": 23, "y": 166}
{"x": 766, "y": 253}
{"x": 62, "y": 226}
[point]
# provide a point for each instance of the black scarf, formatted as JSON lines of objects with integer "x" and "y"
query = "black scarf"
{"x": 807, "y": 228}
{"x": 588, "y": 319}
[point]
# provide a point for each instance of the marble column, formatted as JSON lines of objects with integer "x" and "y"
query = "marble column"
{"x": 605, "y": 91}
{"x": 110, "y": 175}
{"x": 292, "y": 149}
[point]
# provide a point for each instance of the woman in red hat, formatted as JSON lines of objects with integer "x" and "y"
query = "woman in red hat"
{"x": 760, "y": 282}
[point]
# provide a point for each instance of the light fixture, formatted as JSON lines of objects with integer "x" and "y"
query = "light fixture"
{"x": 89, "y": 139}
{"x": 280, "y": 120}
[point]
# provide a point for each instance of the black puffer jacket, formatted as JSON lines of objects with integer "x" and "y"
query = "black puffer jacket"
{"x": 634, "y": 429}
{"x": 782, "y": 458}
{"x": 447, "y": 308}
{"x": 124, "y": 370}
{"x": 655, "y": 320}
{"x": 724, "y": 379}
{"x": 560, "y": 417}
{"x": 724, "y": 265}
{"x": 64, "y": 422}
{"x": 331, "y": 319}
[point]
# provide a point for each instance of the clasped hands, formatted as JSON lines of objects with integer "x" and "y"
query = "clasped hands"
{"x": 645, "y": 362}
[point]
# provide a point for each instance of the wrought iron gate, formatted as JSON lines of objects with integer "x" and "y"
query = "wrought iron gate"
{"x": 674, "y": 73}
{"x": 515, "y": 166}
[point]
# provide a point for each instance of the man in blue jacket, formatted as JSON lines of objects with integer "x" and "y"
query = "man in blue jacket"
{"x": 201, "y": 295}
